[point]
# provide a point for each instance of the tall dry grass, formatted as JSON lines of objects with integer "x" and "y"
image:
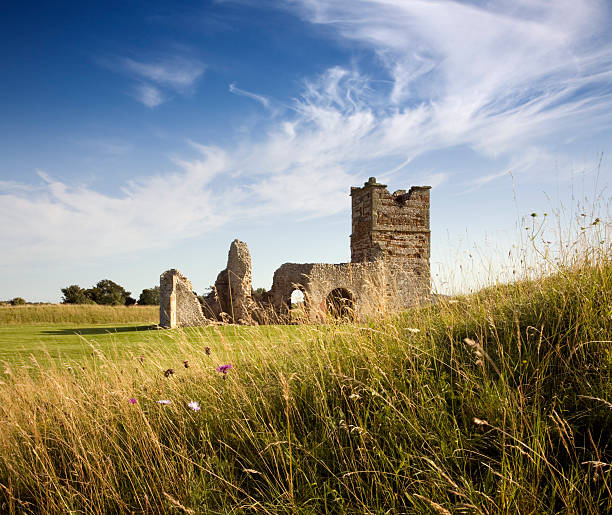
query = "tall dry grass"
{"x": 495, "y": 402}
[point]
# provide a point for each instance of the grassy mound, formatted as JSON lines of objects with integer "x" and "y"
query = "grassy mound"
{"x": 498, "y": 402}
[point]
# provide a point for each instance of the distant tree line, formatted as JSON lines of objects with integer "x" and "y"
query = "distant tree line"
{"x": 109, "y": 293}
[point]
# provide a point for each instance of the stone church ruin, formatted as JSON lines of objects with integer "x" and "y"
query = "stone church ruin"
{"x": 389, "y": 271}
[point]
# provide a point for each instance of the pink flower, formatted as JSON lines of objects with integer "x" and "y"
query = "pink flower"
{"x": 194, "y": 405}
{"x": 133, "y": 400}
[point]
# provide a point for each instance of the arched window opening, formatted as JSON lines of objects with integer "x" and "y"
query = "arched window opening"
{"x": 340, "y": 303}
{"x": 298, "y": 305}
{"x": 297, "y": 299}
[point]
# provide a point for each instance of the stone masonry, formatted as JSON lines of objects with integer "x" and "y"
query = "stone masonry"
{"x": 178, "y": 304}
{"x": 389, "y": 270}
{"x": 230, "y": 299}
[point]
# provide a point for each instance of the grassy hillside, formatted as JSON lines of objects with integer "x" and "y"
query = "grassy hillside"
{"x": 499, "y": 402}
{"x": 77, "y": 314}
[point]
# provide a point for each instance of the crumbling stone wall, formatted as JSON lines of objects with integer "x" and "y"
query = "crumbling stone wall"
{"x": 389, "y": 269}
{"x": 178, "y": 306}
{"x": 363, "y": 282}
{"x": 231, "y": 298}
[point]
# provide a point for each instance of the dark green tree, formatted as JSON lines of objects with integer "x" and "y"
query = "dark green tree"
{"x": 149, "y": 296}
{"x": 108, "y": 292}
{"x": 74, "y": 294}
{"x": 18, "y": 301}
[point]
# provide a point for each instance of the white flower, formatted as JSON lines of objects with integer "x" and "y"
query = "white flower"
{"x": 194, "y": 405}
{"x": 413, "y": 330}
{"x": 164, "y": 401}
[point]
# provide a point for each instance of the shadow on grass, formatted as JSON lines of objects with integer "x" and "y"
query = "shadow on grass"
{"x": 101, "y": 330}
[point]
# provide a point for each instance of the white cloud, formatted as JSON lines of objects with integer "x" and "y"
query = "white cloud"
{"x": 176, "y": 72}
{"x": 494, "y": 78}
{"x": 148, "y": 95}
{"x": 155, "y": 76}
{"x": 264, "y": 101}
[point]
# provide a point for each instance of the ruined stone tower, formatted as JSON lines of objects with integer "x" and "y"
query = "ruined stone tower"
{"x": 394, "y": 228}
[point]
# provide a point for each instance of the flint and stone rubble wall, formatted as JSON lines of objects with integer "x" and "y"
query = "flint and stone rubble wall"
{"x": 178, "y": 304}
{"x": 317, "y": 280}
{"x": 389, "y": 268}
{"x": 231, "y": 298}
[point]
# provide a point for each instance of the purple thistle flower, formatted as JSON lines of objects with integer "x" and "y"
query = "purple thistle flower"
{"x": 133, "y": 400}
{"x": 222, "y": 369}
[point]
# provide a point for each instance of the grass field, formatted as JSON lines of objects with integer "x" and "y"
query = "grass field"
{"x": 77, "y": 314}
{"x": 21, "y": 344}
{"x": 497, "y": 402}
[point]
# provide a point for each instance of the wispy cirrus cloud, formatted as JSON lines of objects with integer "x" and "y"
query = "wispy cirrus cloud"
{"x": 176, "y": 72}
{"x": 496, "y": 78}
{"x": 156, "y": 77}
{"x": 263, "y": 100}
{"x": 148, "y": 95}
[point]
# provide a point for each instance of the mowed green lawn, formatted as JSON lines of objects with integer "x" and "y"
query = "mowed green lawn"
{"x": 62, "y": 343}
{"x": 19, "y": 342}
{"x": 63, "y": 332}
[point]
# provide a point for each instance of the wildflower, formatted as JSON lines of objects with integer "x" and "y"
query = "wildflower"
{"x": 207, "y": 350}
{"x": 165, "y": 402}
{"x": 186, "y": 363}
{"x": 194, "y": 405}
{"x": 133, "y": 400}
{"x": 412, "y": 330}
{"x": 222, "y": 369}
{"x": 534, "y": 215}
{"x": 168, "y": 372}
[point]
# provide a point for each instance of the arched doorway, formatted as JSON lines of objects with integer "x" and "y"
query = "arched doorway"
{"x": 340, "y": 303}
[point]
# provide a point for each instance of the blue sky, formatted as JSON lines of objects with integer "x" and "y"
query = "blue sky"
{"x": 141, "y": 136}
